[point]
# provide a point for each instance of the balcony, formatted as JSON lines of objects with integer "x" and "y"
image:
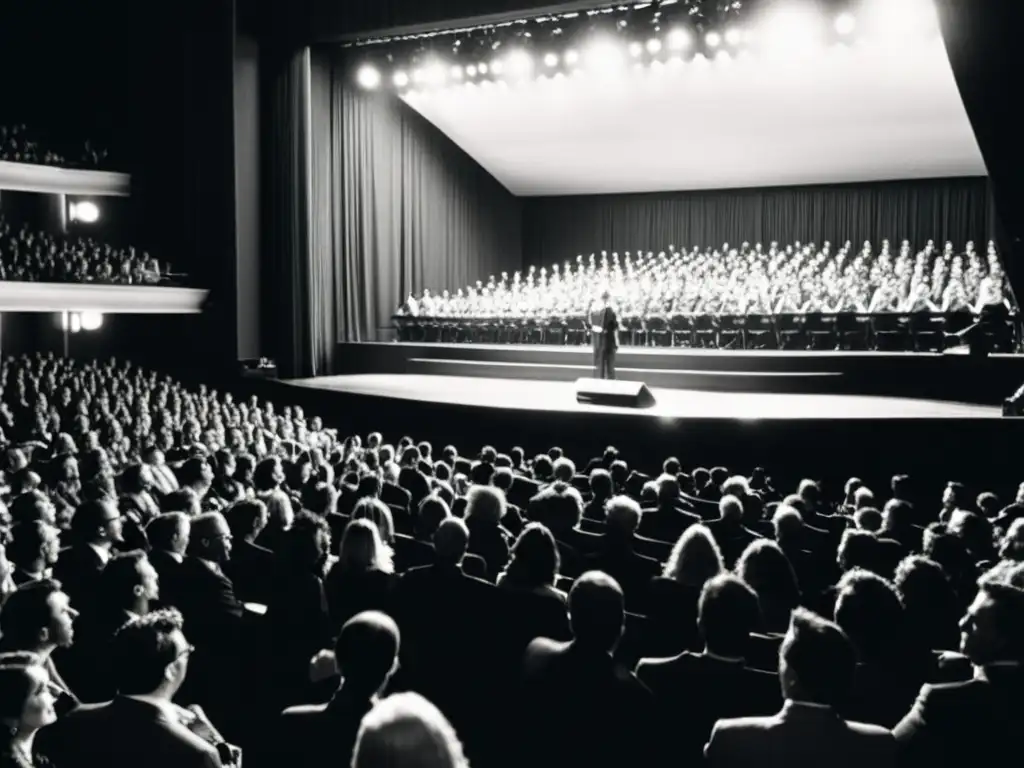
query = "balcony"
{"x": 107, "y": 299}
{"x": 45, "y": 179}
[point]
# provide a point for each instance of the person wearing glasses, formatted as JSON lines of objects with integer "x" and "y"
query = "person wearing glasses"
{"x": 141, "y": 725}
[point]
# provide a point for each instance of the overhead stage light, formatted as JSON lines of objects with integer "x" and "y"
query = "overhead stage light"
{"x": 604, "y": 56}
{"x": 733, "y": 36}
{"x": 520, "y": 64}
{"x": 368, "y": 77}
{"x": 434, "y": 74}
{"x": 845, "y": 24}
{"x": 636, "y": 50}
{"x": 401, "y": 79}
{"x": 654, "y": 46}
{"x": 482, "y": 69}
{"x": 471, "y": 71}
{"x": 572, "y": 58}
{"x": 84, "y": 211}
{"x": 456, "y": 72}
{"x": 679, "y": 39}
{"x": 91, "y": 321}
{"x": 551, "y": 60}
{"x": 713, "y": 39}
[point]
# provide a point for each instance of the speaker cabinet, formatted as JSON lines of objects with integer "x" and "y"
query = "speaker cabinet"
{"x": 621, "y": 394}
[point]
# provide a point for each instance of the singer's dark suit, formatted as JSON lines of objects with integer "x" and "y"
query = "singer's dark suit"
{"x": 605, "y": 342}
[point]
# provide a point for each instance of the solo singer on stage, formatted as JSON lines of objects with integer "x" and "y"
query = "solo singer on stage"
{"x": 604, "y": 334}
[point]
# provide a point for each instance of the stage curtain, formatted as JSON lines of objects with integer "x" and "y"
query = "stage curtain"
{"x": 556, "y": 229}
{"x": 287, "y": 291}
{"x": 413, "y": 211}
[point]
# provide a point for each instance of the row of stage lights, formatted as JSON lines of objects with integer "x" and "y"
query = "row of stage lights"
{"x": 793, "y": 31}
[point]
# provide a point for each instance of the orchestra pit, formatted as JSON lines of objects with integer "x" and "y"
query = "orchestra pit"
{"x": 495, "y": 383}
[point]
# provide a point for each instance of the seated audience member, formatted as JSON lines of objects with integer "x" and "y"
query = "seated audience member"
{"x": 816, "y": 667}
{"x": 169, "y": 535}
{"x": 365, "y": 656}
{"x": 485, "y": 508}
{"x": 251, "y": 567}
{"x": 407, "y": 731}
{"x": 581, "y": 707}
{"x": 38, "y": 618}
{"x": 34, "y": 549}
{"x": 617, "y": 556}
{"x": 930, "y": 603}
{"x": 695, "y": 559}
{"x": 729, "y": 531}
{"x": 766, "y": 569}
{"x": 97, "y": 528}
{"x": 1011, "y": 545}
{"x": 890, "y": 666}
{"x": 142, "y": 725}
{"x": 7, "y": 585}
{"x": 727, "y": 614}
{"x": 26, "y": 705}
{"x": 128, "y": 585}
{"x": 976, "y": 722}
{"x": 363, "y": 578}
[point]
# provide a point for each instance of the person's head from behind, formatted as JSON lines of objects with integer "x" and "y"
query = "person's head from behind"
{"x": 377, "y": 512}
{"x": 992, "y": 630}
{"x": 730, "y": 508}
{"x": 622, "y": 517}
{"x": 247, "y": 519}
{"x": 988, "y": 504}
{"x": 1011, "y": 545}
{"x": 306, "y": 543}
{"x": 695, "y": 557}
{"x": 169, "y": 532}
{"x": 788, "y": 524}
{"x": 451, "y": 540}
{"x": 765, "y": 567}
{"x": 601, "y": 483}
{"x": 34, "y": 545}
{"x": 868, "y": 519}
{"x": 151, "y": 655}
{"x": 27, "y": 696}
{"x": 363, "y": 550}
{"x": 534, "y": 560}
{"x": 597, "y": 611}
{"x": 869, "y": 611}
{"x": 432, "y": 510}
{"x": 366, "y": 651}
{"x": 857, "y": 549}
{"x": 37, "y": 617}
{"x": 816, "y": 661}
{"x": 727, "y": 613}
{"x": 485, "y": 506}
{"x": 407, "y": 731}
{"x": 129, "y": 581}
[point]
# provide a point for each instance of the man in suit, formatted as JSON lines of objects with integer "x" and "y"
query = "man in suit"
{"x": 33, "y": 550}
{"x": 727, "y": 613}
{"x": 730, "y": 533}
{"x": 169, "y": 536}
{"x": 97, "y": 528}
{"x": 366, "y": 656}
{"x": 604, "y": 335}
{"x": 816, "y": 664}
{"x": 617, "y": 557}
{"x": 142, "y": 725}
{"x": 251, "y": 567}
{"x": 976, "y": 722}
{"x": 580, "y": 706}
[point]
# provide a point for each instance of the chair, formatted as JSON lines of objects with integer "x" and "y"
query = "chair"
{"x": 926, "y": 331}
{"x": 853, "y": 331}
{"x": 759, "y": 332}
{"x": 658, "y": 333}
{"x": 575, "y": 331}
{"x": 819, "y": 330}
{"x": 681, "y": 330}
{"x": 730, "y": 331}
{"x": 705, "y": 331}
{"x": 891, "y": 331}
{"x": 789, "y": 330}
{"x": 636, "y": 330}
{"x": 555, "y": 330}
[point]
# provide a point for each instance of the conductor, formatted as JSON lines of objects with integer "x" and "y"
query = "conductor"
{"x": 604, "y": 328}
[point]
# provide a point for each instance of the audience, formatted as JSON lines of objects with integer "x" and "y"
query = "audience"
{"x": 19, "y": 145}
{"x": 523, "y": 591}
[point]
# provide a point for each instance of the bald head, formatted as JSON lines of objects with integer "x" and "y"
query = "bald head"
{"x": 366, "y": 649}
{"x": 597, "y": 610}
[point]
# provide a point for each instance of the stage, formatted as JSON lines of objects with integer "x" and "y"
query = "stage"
{"x": 560, "y": 397}
{"x": 817, "y": 414}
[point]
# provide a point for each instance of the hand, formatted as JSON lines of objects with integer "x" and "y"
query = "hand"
{"x": 323, "y": 666}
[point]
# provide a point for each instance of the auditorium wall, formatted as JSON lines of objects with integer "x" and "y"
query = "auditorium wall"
{"x": 559, "y": 228}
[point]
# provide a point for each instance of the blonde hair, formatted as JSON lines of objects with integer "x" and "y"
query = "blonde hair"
{"x": 378, "y": 513}
{"x": 408, "y": 731}
{"x": 695, "y": 557}
{"x": 362, "y": 549}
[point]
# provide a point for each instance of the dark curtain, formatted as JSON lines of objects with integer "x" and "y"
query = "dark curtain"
{"x": 415, "y": 211}
{"x": 287, "y": 291}
{"x": 556, "y": 229}
{"x": 983, "y": 44}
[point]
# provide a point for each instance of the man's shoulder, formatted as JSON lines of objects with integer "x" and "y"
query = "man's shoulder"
{"x": 303, "y": 712}
{"x": 734, "y": 727}
{"x": 869, "y": 730}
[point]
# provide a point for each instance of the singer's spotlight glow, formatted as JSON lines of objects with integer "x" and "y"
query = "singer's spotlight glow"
{"x": 733, "y": 37}
{"x": 679, "y": 39}
{"x": 520, "y": 64}
{"x": 551, "y": 60}
{"x": 401, "y": 79}
{"x": 654, "y": 46}
{"x": 713, "y": 39}
{"x": 604, "y": 56}
{"x": 636, "y": 50}
{"x": 845, "y": 24}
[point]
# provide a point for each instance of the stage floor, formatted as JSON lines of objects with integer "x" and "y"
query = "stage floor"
{"x": 560, "y": 396}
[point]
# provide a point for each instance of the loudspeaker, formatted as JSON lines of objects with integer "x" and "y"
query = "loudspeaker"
{"x": 622, "y": 394}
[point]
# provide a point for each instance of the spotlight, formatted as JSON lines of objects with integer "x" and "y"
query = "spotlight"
{"x": 497, "y": 67}
{"x": 471, "y": 71}
{"x": 572, "y": 58}
{"x": 551, "y": 60}
{"x": 654, "y": 46}
{"x": 368, "y": 77}
{"x": 401, "y": 79}
{"x": 85, "y": 212}
{"x": 679, "y": 39}
{"x": 713, "y": 39}
{"x": 418, "y": 75}
{"x": 733, "y": 37}
{"x": 636, "y": 50}
{"x": 520, "y": 64}
{"x": 435, "y": 73}
{"x": 456, "y": 72}
{"x": 91, "y": 321}
{"x": 482, "y": 69}
{"x": 845, "y": 24}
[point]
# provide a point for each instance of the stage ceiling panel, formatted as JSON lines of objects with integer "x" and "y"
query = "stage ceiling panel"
{"x": 848, "y": 114}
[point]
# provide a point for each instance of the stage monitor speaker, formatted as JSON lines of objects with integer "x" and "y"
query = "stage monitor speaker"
{"x": 622, "y": 394}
